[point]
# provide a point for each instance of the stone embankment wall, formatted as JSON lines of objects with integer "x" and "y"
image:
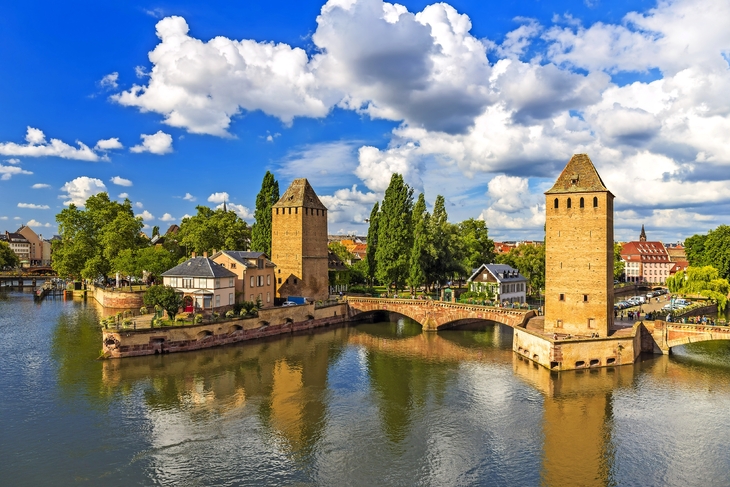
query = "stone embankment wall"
{"x": 119, "y": 300}
{"x": 577, "y": 353}
{"x": 273, "y": 321}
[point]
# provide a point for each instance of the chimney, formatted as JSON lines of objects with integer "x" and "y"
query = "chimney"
{"x": 192, "y": 254}
{"x": 205, "y": 254}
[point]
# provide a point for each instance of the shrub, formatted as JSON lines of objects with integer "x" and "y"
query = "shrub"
{"x": 198, "y": 318}
{"x": 216, "y": 315}
{"x": 143, "y": 310}
{"x": 230, "y": 313}
{"x": 127, "y": 322}
{"x": 180, "y": 319}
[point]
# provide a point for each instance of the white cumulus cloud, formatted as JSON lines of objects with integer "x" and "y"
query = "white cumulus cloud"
{"x": 110, "y": 81}
{"x": 37, "y": 146}
{"x": 219, "y": 197}
{"x": 109, "y": 144}
{"x": 242, "y": 211}
{"x": 146, "y": 216}
{"x": 189, "y": 197}
{"x": 79, "y": 190}
{"x": 167, "y": 218}
{"x": 36, "y": 223}
{"x": 40, "y": 186}
{"x": 159, "y": 143}
{"x": 123, "y": 195}
{"x": 7, "y": 172}
{"x": 33, "y": 206}
{"x": 120, "y": 181}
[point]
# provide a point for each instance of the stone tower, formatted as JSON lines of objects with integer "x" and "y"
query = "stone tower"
{"x": 579, "y": 252}
{"x": 299, "y": 243}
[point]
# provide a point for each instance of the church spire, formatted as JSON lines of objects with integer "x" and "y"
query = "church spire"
{"x": 224, "y": 206}
{"x": 642, "y": 235}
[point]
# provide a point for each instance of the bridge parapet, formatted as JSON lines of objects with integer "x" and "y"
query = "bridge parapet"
{"x": 667, "y": 334}
{"x": 435, "y": 315}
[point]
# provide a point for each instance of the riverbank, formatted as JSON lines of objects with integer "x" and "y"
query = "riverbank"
{"x": 269, "y": 322}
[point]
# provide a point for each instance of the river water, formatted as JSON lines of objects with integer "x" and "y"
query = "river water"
{"x": 372, "y": 404}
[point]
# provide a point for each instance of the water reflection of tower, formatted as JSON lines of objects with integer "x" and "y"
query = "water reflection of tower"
{"x": 577, "y": 422}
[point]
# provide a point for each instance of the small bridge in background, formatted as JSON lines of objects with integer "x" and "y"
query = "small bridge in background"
{"x": 438, "y": 315}
{"x": 668, "y": 335}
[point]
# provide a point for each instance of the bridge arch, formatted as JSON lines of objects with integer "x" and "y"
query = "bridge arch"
{"x": 435, "y": 315}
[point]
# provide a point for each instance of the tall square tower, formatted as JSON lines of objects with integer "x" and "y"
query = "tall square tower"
{"x": 579, "y": 252}
{"x": 299, "y": 243}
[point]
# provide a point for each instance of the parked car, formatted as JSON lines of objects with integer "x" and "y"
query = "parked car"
{"x": 289, "y": 303}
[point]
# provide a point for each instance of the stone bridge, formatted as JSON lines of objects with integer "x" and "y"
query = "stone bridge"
{"x": 437, "y": 315}
{"x": 668, "y": 335}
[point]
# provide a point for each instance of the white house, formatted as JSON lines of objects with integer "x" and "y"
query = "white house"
{"x": 204, "y": 284}
{"x": 501, "y": 281}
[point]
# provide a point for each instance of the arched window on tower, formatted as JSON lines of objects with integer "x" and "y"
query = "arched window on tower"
{"x": 556, "y": 203}
{"x": 569, "y": 205}
{"x": 582, "y": 203}
{"x": 595, "y": 202}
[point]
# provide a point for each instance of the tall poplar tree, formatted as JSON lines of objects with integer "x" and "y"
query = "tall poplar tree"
{"x": 372, "y": 242}
{"x": 261, "y": 230}
{"x": 395, "y": 234}
{"x": 420, "y": 252}
{"x": 442, "y": 233}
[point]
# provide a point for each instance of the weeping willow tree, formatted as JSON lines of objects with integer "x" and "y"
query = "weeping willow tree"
{"x": 703, "y": 281}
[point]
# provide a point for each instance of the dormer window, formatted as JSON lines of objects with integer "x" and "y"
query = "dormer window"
{"x": 574, "y": 179}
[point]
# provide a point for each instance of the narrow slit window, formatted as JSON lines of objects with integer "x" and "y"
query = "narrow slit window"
{"x": 582, "y": 203}
{"x": 569, "y": 204}
{"x": 557, "y": 205}
{"x": 595, "y": 202}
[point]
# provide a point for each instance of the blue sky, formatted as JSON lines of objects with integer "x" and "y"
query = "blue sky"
{"x": 183, "y": 103}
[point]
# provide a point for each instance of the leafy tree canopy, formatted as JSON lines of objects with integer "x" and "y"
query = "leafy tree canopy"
{"x": 150, "y": 260}
{"x": 618, "y": 264}
{"x": 92, "y": 237}
{"x": 261, "y": 230}
{"x": 372, "y": 242}
{"x": 478, "y": 248}
{"x": 530, "y": 261}
{"x": 394, "y": 233}
{"x": 165, "y": 297}
{"x": 210, "y": 230}
{"x": 8, "y": 258}
{"x": 704, "y": 281}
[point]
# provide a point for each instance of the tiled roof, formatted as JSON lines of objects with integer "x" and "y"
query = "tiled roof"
{"x": 644, "y": 252}
{"x": 243, "y": 257}
{"x": 579, "y": 176}
{"x": 501, "y": 272}
{"x": 199, "y": 267}
{"x": 300, "y": 194}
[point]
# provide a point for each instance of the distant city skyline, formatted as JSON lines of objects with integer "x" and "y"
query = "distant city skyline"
{"x": 179, "y": 104}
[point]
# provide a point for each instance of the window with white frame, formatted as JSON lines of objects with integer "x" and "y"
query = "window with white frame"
{"x": 230, "y": 298}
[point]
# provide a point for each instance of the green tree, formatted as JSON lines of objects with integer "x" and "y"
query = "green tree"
{"x": 155, "y": 231}
{"x": 8, "y": 259}
{"x": 261, "y": 230}
{"x": 421, "y": 250}
{"x": 152, "y": 260}
{"x": 478, "y": 247}
{"x": 694, "y": 249}
{"x": 703, "y": 281}
{"x": 341, "y": 251}
{"x": 394, "y": 233}
{"x": 530, "y": 261}
{"x": 717, "y": 250}
{"x": 372, "y": 243}
{"x": 618, "y": 264}
{"x": 165, "y": 297}
{"x": 91, "y": 238}
{"x": 210, "y": 230}
{"x": 446, "y": 250}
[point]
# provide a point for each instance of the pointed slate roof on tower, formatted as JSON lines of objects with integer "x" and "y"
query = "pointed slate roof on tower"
{"x": 579, "y": 176}
{"x": 642, "y": 235}
{"x": 300, "y": 194}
